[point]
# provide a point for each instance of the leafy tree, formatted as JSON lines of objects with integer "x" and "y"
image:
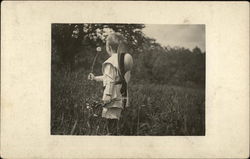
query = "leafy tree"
{"x": 70, "y": 39}
{"x": 197, "y": 50}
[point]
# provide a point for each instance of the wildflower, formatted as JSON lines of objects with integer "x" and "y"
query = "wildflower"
{"x": 98, "y": 49}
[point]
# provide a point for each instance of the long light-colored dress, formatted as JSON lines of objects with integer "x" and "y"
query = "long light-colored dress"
{"x": 110, "y": 75}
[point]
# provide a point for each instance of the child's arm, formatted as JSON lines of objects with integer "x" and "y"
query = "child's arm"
{"x": 91, "y": 76}
{"x": 98, "y": 78}
{"x": 109, "y": 80}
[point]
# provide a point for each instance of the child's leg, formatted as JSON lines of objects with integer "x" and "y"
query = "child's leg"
{"x": 112, "y": 126}
{"x": 112, "y": 115}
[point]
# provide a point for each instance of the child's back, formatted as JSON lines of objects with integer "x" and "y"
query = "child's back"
{"x": 116, "y": 75}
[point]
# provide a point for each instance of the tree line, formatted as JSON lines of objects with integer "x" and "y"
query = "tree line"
{"x": 74, "y": 47}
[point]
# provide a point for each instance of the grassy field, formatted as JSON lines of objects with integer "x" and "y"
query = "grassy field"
{"x": 154, "y": 109}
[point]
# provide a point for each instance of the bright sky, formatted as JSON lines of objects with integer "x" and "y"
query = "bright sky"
{"x": 188, "y": 36}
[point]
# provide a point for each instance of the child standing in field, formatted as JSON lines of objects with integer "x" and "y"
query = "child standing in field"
{"x": 116, "y": 75}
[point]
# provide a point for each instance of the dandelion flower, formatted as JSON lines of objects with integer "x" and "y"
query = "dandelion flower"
{"x": 98, "y": 49}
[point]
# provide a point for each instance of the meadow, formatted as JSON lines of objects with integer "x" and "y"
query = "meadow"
{"x": 155, "y": 109}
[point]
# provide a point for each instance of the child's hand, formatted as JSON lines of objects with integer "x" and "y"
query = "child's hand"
{"x": 107, "y": 99}
{"x": 91, "y": 76}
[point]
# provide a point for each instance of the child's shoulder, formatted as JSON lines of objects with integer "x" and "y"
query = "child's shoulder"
{"x": 111, "y": 61}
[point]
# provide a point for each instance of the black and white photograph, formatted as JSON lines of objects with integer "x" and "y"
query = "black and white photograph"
{"x": 124, "y": 79}
{"x": 128, "y": 79}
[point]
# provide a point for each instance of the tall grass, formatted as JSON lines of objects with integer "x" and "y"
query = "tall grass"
{"x": 154, "y": 109}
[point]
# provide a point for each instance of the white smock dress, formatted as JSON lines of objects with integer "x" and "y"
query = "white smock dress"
{"x": 110, "y": 76}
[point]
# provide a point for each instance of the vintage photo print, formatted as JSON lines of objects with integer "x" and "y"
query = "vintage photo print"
{"x": 124, "y": 79}
{"x": 128, "y": 79}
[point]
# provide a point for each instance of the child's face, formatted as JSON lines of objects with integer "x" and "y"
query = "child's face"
{"x": 108, "y": 48}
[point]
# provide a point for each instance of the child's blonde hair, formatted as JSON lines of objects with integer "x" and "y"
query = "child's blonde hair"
{"x": 114, "y": 40}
